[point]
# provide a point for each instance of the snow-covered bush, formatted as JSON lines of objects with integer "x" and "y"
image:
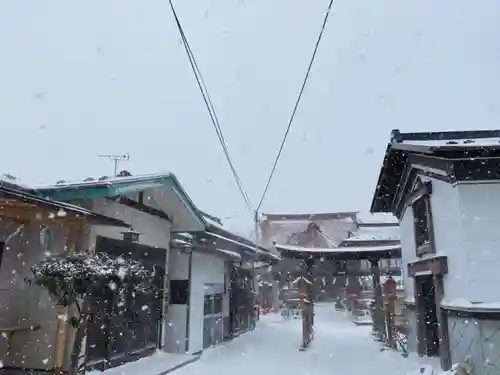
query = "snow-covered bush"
{"x": 71, "y": 278}
{"x": 82, "y": 279}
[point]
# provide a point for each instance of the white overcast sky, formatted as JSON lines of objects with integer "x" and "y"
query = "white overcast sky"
{"x": 78, "y": 78}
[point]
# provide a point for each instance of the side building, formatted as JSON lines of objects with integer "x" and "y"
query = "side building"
{"x": 444, "y": 187}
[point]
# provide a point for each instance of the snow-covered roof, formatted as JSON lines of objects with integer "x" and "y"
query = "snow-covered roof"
{"x": 375, "y": 234}
{"x": 233, "y": 254}
{"x": 377, "y": 218}
{"x": 168, "y": 194}
{"x": 301, "y": 278}
{"x": 254, "y": 248}
{"x": 457, "y": 142}
{"x": 437, "y": 153}
{"x": 214, "y": 225}
{"x": 185, "y": 235}
{"x": 350, "y": 249}
{"x": 181, "y": 243}
{"x": 463, "y": 304}
{"x": 13, "y": 181}
{"x": 332, "y": 229}
{"x": 103, "y": 180}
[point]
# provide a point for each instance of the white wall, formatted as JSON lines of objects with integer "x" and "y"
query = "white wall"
{"x": 177, "y": 315}
{"x": 447, "y": 222}
{"x": 480, "y": 237}
{"x": 153, "y": 230}
{"x": 466, "y": 219}
{"x": 204, "y": 269}
{"x": 407, "y": 251}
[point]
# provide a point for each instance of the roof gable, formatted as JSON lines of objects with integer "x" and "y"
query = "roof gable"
{"x": 449, "y": 156}
{"x": 119, "y": 186}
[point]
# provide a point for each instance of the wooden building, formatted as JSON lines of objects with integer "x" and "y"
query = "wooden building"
{"x": 34, "y": 337}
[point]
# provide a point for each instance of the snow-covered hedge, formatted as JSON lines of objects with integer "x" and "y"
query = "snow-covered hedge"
{"x": 71, "y": 278}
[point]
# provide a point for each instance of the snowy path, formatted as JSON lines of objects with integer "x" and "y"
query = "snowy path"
{"x": 339, "y": 347}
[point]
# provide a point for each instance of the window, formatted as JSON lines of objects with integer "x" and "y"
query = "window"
{"x": 212, "y": 304}
{"x": 179, "y": 292}
{"x": 208, "y": 306}
{"x": 422, "y": 218}
{"x": 217, "y": 304}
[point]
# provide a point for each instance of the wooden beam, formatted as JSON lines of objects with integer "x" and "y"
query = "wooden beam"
{"x": 437, "y": 266}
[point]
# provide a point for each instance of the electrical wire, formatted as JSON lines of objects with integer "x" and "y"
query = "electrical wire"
{"x": 292, "y": 117}
{"x": 210, "y": 107}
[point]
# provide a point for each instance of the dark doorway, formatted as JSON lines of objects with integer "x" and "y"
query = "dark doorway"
{"x": 428, "y": 322}
{"x": 130, "y": 327}
{"x": 241, "y": 301}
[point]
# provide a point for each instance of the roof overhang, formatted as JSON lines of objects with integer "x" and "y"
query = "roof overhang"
{"x": 168, "y": 194}
{"x": 22, "y": 206}
{"x": 341, "y": 253}
{"x": 310, "y": 217}
{"x": 246, "y": 250}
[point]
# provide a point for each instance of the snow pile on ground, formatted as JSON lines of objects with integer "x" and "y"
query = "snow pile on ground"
{"x": 457, "y": 369}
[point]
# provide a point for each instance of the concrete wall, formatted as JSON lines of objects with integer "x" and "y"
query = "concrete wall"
{"x": 411, "y": 328}
{"x": 477, "y": 339}
{"x": 205, "y": 269}
{"x": 177, "y": 315}
{"x": 23, "y": 305}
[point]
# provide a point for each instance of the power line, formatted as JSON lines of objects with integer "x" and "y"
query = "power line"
{"x": 296, "y": 105}
{"x": 210, "y": 107}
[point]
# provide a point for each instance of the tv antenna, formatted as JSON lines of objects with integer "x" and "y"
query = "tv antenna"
{"x": 116, "y": 159}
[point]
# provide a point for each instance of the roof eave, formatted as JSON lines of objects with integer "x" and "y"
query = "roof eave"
{"x": 375, "y": 206}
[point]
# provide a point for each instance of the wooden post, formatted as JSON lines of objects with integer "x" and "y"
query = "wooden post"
{"x": 390, "y": 309}
{"x": 303, "y": 304}
{"x": 307, "y": 304}
{"x": 63, "y": 312}
{"x": 442, "y": 320}
{"x": 379, "y": 309}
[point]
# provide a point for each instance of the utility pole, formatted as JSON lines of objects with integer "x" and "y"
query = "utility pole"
{"x": 256, "y": 222}
{"x": 116, "y": 159}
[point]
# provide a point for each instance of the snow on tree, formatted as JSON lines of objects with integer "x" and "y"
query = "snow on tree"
{"x": 81, "y": 279}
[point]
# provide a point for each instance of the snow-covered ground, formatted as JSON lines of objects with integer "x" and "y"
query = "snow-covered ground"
{"x": 339, "y": 347}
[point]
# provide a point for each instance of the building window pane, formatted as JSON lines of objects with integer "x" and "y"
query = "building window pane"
{"x": 208, "y": 306}
{"x": 421, "y": 222}
{"x": 217, "y": 304}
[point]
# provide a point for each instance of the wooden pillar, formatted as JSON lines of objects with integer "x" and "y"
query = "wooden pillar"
{"x": 379, "y": 308}
{"x": 307, "y": 298}
{"x": 420, "y": 313}
{"x": 62, "y": 312}
{"x": 310, "y": 295}
{"x": 389, "y": 313}
{"x": 442, "y": 321}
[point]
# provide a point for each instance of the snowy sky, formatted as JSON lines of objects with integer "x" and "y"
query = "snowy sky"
{"x": 78, "y": 78}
